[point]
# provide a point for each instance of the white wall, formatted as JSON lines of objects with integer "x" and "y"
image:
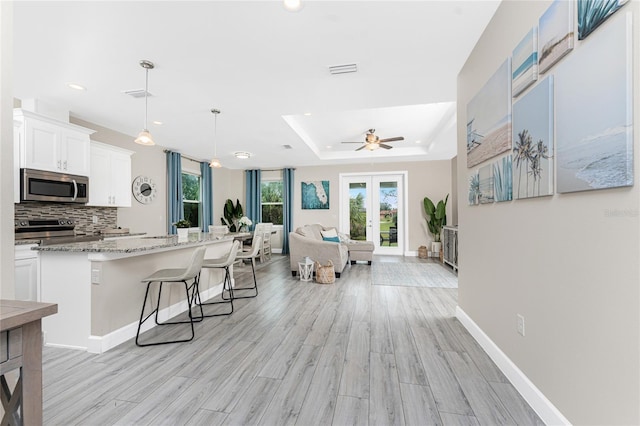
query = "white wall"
{"x": 425, "y": 178}
{"x": 148, "y": 161}
{"x": 563, "y": 262}
{"x": 7, "y": 278}
{"x": 151, "y": 161}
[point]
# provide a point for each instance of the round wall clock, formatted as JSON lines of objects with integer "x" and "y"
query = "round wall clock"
{"x": 144, "y": 189}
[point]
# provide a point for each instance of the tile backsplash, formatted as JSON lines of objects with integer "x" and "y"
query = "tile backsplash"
{"x": 83, "y": 215}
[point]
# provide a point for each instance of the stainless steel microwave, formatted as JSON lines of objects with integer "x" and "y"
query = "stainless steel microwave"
{"x": 39, "y": 185}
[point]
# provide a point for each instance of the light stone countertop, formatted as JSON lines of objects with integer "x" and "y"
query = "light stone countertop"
{"x": 134, "y": 245}
{"x": 26, "y": 242}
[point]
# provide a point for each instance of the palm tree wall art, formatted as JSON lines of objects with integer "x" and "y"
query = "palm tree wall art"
{"x": 533, "y": 142}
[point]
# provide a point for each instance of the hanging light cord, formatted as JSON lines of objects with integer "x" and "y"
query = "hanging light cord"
{"x": 146, "y": 93}
{"x": 215, "y": 135}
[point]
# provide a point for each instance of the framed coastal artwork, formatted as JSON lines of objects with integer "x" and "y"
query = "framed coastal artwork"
{"x": 503, "y": 179}
{"x": 485, "y": 178}
{"x": 474, "y": 188}
{"x": 555, "y": 33}
{"x": 524, "y": 61}
{"x": 315, "y": 195}
{"x": 592, "y": 13}
{"x": 489, "y": 118}
{"x": 594, "y": 121}
{"x": 533, "y": 142}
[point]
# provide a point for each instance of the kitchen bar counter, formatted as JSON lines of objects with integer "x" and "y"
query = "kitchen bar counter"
{"x": 133, "y": 245}
{"x": 97, "y": 286}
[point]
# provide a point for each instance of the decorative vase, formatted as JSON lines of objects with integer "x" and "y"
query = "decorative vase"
{"x": 183, "y": 233}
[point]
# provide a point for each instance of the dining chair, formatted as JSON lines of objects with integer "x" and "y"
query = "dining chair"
{"x": 177, "y": 275}
{"x": 220, "y": 263}
{"x": 252, "y": 254}
{"x": 266, "y": 241}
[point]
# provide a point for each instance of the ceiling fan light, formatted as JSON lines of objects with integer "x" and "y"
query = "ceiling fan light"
{"x": 372, "y": 146}
{"x": 215, "y": 163}
{"x": 144, "y": 138}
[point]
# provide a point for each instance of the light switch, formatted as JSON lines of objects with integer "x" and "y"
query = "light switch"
{"x": 95, "y": 276}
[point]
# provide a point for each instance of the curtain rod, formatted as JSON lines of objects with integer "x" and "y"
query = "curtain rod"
{"x": 185, "y": 156}
{"x": 202, "y": 161}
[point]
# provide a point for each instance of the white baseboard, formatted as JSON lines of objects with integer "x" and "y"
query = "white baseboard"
{"x": 411, "y": 253}
{"x": 55, "y": 345}
{"x": 100, "y": 344}
{"x": 548, "y": 413}
{"x": 276, "y": 250}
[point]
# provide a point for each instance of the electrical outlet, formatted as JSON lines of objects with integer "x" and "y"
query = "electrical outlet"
{"x": 95, "y": 219}
{"x": 520, "y": 325}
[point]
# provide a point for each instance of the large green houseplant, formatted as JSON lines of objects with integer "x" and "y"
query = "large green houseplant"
{"x": 232, "y": 213}
{"x": 436, "y": 219}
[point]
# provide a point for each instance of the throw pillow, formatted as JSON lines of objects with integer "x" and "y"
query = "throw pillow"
{"x": 332, "y": 239}
{"x": 329, "y": 233}
{"x": 343, "y": 237}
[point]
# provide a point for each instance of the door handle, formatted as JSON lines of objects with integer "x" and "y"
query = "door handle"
{"x": 75, "y": 190}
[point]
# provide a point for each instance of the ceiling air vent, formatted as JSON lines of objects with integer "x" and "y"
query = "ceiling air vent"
{"x": 287, "y": 146}
{"x": 342, "y": 69}
{"x": 136, "y": 93}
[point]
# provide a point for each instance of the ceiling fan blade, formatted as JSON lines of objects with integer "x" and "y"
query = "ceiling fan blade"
{"x": 351, "y": 142}
{"x": 398, "y": 138}
{"x": 385, "y": 146}
{"x": 362, "y": 147}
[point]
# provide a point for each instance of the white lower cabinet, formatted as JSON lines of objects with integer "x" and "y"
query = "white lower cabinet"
{"x": 27, "y": 279}
{"x": 110, "y": 179}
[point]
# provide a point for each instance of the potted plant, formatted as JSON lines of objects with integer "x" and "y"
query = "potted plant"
{"x": 232, "y": 214}
{"x": 436, "y": 219}
{"x": 183, "y": 226}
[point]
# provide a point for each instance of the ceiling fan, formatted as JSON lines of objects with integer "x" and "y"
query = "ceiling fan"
{"x": 373, "y": 142}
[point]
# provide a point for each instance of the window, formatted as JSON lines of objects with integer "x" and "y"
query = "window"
{"x": 272, "y": 201}
{"x": 191, "y": 198}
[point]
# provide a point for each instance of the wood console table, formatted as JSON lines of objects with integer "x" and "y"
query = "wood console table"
{"x": 21, "y": 348}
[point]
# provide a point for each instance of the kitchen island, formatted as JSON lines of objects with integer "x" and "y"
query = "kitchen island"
{"x": 98, "y": 290}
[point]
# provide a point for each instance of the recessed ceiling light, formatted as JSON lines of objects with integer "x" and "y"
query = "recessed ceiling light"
{"x": 157, "y": 123}
{"x": 76, "y": 86}
{"x": 307, "y": 114}
{"x": 418, "y": 141}
{"x": 292, "y": 5}
{"x": 329, "y": 147}
{"x": 243, "y": 155}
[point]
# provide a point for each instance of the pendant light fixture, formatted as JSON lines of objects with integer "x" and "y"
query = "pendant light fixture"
{"x": 215, "y": 162}
{"x": 144, "y": 137}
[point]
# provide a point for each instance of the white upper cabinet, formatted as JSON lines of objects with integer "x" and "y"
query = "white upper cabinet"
{"x": 47, "y": 144}
{"x": 110, "y": 180}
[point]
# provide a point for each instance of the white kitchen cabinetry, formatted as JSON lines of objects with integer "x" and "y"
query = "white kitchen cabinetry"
{"x": 27, "y": 281}
{"x": 44, "y": 143}
{"x": 110, "y": 179}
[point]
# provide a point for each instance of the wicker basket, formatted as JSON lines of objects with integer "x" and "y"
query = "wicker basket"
{"x": 325, "y": 274}
{"x": 422, "y": 252}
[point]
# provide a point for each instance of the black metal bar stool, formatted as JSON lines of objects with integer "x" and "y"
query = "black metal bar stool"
{"x": 252, "y": 254}
{"x": 221, "y": 263}
{"x": 183, "y": 275}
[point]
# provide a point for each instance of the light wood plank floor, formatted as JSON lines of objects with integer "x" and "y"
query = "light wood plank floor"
{"x": 351, "y": 353}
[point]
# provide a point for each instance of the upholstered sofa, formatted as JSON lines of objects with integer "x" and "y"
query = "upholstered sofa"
{"x": 306, "y": 241}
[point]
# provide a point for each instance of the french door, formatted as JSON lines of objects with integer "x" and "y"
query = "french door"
{"x": 372, "y": 208}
